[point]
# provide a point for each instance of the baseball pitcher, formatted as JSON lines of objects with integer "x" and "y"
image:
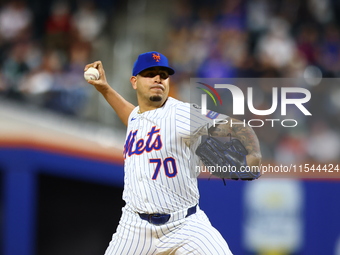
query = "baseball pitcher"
{"x": 163, "y": 139}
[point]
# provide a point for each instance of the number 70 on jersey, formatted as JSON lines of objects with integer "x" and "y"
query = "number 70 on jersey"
{"x": 168, "y": 164}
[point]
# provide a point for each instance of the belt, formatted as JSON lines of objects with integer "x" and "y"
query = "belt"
{"x": 160, "y": 219}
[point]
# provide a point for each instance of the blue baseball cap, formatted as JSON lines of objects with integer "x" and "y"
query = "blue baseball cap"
{"x": 151, "y": 59}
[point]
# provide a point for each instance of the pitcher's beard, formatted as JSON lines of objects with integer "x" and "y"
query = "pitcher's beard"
{"x": 156, "y": 98}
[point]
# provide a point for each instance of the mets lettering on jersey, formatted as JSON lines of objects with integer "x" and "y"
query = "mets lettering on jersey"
{"x": 138, "y": 147}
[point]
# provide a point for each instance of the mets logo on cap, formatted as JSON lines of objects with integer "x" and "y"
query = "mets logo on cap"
{"x": 156, "y": 57}
{"x": 151, "y": 59}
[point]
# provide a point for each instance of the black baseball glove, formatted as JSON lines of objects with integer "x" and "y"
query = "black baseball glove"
{"x": 226, "y": 160}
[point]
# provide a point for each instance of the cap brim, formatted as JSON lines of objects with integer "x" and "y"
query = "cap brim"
{"x": 170, "y": 70}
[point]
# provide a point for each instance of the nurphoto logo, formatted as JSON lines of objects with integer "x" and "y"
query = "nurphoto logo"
{"x": 239, "y": 103}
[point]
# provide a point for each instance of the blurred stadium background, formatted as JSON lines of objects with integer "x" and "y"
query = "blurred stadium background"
{"x": 60, "y": 143}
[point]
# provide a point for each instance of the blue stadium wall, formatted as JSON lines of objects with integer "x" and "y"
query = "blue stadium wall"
{"x": 21, "y": 167}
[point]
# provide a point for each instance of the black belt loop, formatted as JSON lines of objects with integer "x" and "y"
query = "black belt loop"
{"x": 191, "y": 210}
{"x": 160, "y": 219}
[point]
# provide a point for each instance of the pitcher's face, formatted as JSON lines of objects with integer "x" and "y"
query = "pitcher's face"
{"x": 152, "y": 84}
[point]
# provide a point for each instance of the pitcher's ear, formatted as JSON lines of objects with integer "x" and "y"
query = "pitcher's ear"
{"x": 133, "y": 81}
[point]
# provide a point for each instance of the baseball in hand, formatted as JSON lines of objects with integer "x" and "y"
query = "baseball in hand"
{"x": 91, "y": 74}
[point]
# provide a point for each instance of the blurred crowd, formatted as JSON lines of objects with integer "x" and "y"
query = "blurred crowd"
{"x": 207, "y": 39}
{"x": 42, "y": 57}
{"x": 298, "y": 39}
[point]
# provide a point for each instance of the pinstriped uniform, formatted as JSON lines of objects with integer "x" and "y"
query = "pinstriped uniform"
{"x": 158, "y": 180}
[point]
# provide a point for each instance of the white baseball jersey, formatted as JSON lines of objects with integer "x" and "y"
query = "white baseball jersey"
{"x": 158, "y": 152}
{"x": 158, "y": 158}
